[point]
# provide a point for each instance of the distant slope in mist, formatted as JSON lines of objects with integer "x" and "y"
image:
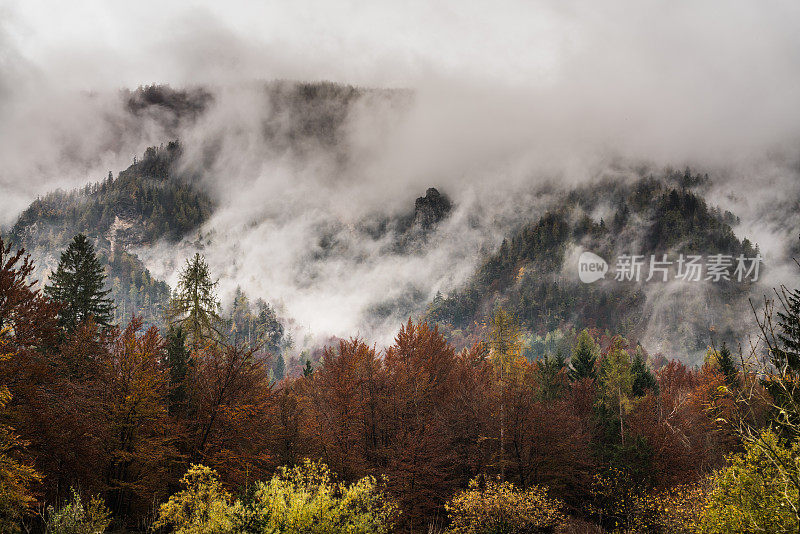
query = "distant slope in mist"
{"x": 160, "y": 198}
{"x": 386, "y": 265}
{"x": 146, "y": 202}
{"x": 534, "y": 271}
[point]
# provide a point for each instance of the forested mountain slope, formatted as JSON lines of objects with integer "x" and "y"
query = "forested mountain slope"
{"x": 534, "y": 271}
{"x": 165, "y": 198}
{"x": 144, "y": 203}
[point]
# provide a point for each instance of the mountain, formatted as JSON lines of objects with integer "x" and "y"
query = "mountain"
{"x": 533, "y": 273}
{"x": 163, "y": 199}
{"x": 147, "y": 202}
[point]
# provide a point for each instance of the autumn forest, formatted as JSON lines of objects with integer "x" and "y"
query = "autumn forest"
{"x": 186, "y": 429}
{"x": 450, "y": 267}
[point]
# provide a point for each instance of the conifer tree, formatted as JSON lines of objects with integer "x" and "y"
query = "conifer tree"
{"x": 178, "y": 361}
{"x": 241, "y": 322}
{"x": 787, "y": 357}
{"x": 279, "y": 368}
{"x": 549, "y": 375}
{"x": 308, "y": 370}
{"x": 643, "y": 378}
{"x": 584, "y": 357}
{"x": 616, "y": 383}
{"x": 784, "y": 345}
{"x": 505, "y": 341}
{"x": 269, "y": 330}
{"x": 194, "y": 303}
{"x": 78, "y": 286}
{"x": 728, "y": 366}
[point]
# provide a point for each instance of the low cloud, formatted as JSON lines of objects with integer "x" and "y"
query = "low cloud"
{"x": 498, "y": 108}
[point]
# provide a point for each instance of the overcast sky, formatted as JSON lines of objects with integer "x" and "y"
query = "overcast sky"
{"x": 695, "y": 81}
{"x": 507, "y": 92}
{"x": 91, "y": 44}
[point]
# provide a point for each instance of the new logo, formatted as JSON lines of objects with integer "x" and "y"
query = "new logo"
{"x": 591, "y": 267}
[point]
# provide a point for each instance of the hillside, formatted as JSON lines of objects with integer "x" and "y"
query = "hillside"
{"x": 164, "y": 199}
{"x": 533, "y": 273}
{"x": 145, "y": 203}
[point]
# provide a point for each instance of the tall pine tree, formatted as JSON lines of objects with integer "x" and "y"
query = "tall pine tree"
{"x": 78, "y": 285}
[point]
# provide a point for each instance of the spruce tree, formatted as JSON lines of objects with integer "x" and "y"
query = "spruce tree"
{"x": 643, "y": 378}
{"x": 308, "y": 370}
{"x": 728, "y": 366}
{"x": 584, "y": 357}
{"x": 178, "y": 361}
{"x": 268, "y": 329}
{"x": 279, "y": 368}
{"x": 548, "y": 371}
{"x": 78, "y": 286}
{"x": 787, "y": 357}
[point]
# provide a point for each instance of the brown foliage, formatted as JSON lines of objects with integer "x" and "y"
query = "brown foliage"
{"x": 93, "y": 407}
{"x": 230, "y": 408}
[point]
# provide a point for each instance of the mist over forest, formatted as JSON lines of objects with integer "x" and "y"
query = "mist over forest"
{"x": 353, "y": 252}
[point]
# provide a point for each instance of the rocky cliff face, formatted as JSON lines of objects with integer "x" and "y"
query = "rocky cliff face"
{"x": 431, "y": 208}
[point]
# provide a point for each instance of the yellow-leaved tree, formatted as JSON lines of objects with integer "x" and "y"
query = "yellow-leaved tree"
{"x": 759, "y": 491}
{"x": 495, "y": 507}
{"x": 505, "y": 351}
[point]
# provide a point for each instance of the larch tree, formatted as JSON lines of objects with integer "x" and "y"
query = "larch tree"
{"x": 78, "y": 285}
{"x": 194, "y": 304}
{"x": 616, "y": 382}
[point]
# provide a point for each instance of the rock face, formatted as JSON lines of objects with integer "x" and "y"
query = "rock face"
{"x": 431, "y": 208}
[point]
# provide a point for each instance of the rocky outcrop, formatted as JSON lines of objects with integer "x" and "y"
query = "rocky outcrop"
{"x": 431, "y": 209}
